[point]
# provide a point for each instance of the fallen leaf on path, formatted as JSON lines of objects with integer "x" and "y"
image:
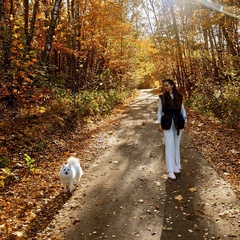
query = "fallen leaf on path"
{"x": 179, "y": 197}
{"x": 75, "y": 221}
{"x": 141, "y": 168}
{"x": 115, "y": 162}
{"x": 192, "y": 189}
{"x": 165, "y": 176}
{"x": 62, "y": 227}
{"x": 158, "y": 184}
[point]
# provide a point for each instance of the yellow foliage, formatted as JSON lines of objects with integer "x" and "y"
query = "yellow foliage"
{"x": 42, "y": 110}
{"x": 20, "y": 46}
{"x": 16, "y": 35}
{"x": 16, "y": 27}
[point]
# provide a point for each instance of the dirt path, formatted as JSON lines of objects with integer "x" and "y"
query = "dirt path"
{"x": 125, "y": 193}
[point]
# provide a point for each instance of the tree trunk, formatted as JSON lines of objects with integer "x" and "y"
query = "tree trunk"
{"x": 229, "y": 42}
{"x": 5, "y": 37}
{"x": 180, "y": 65}
{"x": 2, "y": 11}
{"x": 52, "y": 26}
{"x": 32, "y": 25}
{"x": 213, "y": 52}
{"x": 26, "y": 16}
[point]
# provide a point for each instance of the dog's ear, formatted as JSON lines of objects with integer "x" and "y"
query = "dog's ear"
{"x": 70, "y": 165}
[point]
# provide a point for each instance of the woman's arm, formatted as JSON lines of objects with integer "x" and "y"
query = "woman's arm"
{"x": 183, "y": 112}
{"x": 159, "y": 115}
{"x": 159, "y": 110}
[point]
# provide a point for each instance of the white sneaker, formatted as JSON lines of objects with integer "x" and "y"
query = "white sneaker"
{"x": 171, "y": 175}
{"x": 177, "y": 171}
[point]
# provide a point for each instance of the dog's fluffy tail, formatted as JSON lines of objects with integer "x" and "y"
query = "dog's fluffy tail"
{"x": 73, "y": 160}
{"x": 75, "y": 163}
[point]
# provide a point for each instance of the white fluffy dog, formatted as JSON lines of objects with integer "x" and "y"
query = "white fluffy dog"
{"x": 69, "y": 172}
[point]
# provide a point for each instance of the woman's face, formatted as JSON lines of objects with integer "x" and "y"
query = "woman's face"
{"x": 167, "y": 87}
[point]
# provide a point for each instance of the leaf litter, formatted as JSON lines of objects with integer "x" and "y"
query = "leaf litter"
{"x": 31, "y": 199}
{"x": 219, "y": 145}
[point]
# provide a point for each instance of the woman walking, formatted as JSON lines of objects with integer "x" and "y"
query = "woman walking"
{"x": 171, "y": 119}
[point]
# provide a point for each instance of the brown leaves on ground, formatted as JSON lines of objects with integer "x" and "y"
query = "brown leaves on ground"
{"x": 31, "y": 198}
{"x": 219, "y": 145}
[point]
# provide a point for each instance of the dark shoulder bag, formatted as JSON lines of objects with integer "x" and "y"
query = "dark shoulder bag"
{"x": 181, "y": 121}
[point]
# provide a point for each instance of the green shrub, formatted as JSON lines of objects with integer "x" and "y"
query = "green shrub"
{"x": 6, "y": 178}
{"x": 4, "y": 162}
{"x": 232, "y": 112}
{"x": 29, "y": 162}
{"x": 221, "y": 103}
{"x": 66, "y": 109}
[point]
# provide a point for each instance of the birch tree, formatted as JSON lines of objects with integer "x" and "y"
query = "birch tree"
{"x": 50, "y": 34}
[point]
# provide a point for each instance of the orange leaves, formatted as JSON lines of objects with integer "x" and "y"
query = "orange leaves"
{"x": 22, "y": 74}
{"x": 25, "y": 79}
{"x": 22, "y": 70}
{"x": 40, "y": 15}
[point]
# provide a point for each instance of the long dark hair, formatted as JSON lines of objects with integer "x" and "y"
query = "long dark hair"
{"x": 178, "y": 98}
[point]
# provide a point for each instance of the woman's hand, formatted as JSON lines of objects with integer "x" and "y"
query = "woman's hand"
{"x": 160, "y": 128}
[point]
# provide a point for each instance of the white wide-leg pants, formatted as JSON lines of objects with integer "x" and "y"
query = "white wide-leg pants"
{"x": 172, "y": 148}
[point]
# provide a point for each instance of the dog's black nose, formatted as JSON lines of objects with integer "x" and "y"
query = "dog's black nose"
{"x": 66, "y": 173}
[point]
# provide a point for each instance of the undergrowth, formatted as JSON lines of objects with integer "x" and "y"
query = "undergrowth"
{"x": 26, "y": 136}
{"x": 220, "y": 103}
{"x": 88, "y": 103}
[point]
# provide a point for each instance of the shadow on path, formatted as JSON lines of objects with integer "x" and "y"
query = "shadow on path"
{"x": 126, "y": 196}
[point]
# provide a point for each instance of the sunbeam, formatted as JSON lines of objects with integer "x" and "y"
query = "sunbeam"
{"x": 217, "y": 7}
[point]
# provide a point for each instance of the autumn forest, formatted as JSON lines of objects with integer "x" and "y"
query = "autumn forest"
{"x": 77, "y": 46}
{"x": 64, "y": 62}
